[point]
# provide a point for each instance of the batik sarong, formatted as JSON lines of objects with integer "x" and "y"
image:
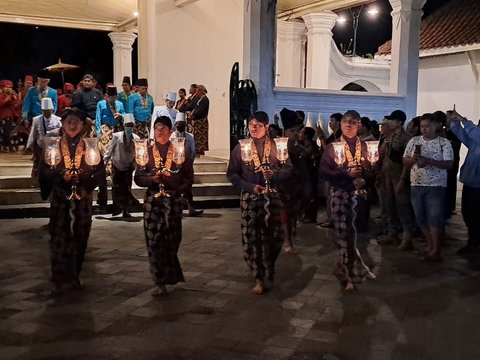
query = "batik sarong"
{"x": 105, "y": 141}
{"x": 70, "y": 224}
{"x": 142, "y": 129}
{"x": 6, "y": 127}
{"x": 162, "y": 223}
{"x": 349, "y": 264}
{"x": 200, "y": 132}
{"x": 262, "y": 233}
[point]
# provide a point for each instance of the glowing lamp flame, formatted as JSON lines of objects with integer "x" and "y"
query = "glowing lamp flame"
{"x": 372, "y": 151}
{"x": 339, "y": 152}
{"x": 141, "y": 151}
{"x": 246, "y": 150}
{"x": 178, "y": 150}
{"x": 92, "y": 154}
{"x": 52, "y": 151}
{"x": 282, "y": 148}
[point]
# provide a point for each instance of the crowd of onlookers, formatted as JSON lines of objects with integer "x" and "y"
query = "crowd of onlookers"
{"x": 414, "y": 182}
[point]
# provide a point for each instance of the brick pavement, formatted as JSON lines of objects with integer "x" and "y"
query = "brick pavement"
{"x": 413, "y": 310}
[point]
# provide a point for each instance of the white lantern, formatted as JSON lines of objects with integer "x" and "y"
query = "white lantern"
{"x": 282, "y": 149}
{"x": 372, "y": 151}
{"x": 141, "y": 151}
{"x": 339, "y": 152}
{"x": 92, "y": 154}
{"x": 52, "y": 151}
{"x": 178, "y": 150}
{"x": 246, "y": 150}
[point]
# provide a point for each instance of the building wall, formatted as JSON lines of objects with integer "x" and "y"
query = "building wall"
{"x": 197, "y": 43}
{"x": 444, "y": 81}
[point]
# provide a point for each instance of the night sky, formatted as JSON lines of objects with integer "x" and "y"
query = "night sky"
{"x": 373, "y": 31}
{"x": 26, "y": 49}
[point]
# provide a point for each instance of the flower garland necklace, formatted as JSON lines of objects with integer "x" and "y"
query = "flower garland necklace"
{"x": 42, "y": 93}
{"x": 67, "y": 160}
{"x": 351, "y": 160}
{"x": 112, "y": 107}
{"x": 158, "y": 158}
{"x": 266, "y": 153}
{"x": 144, "y": 100}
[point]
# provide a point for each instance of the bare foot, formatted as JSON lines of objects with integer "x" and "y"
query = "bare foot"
{"x": 259, "y": 288}
{"x": 349, "y": 287}
{"x": 290, "y": 249}
{"x": 160, "y": 290}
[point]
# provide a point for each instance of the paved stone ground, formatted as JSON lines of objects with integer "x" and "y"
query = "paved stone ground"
{"x": 414, "y": 310}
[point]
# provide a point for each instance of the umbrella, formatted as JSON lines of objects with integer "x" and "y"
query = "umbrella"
{"x": 60, "y": 68}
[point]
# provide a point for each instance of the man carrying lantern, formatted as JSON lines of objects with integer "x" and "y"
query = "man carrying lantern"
{"x": 69, "y": 172}
{"x": 346, "y": 166}
{"x": 257, "y": 168}
{"x": 167, "y": 173}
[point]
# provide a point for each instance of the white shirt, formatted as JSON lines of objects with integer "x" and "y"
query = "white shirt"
{"x": 437, "y": 149}
{"x": 121, "y": 158}
{"x": 162, "y": 110}
{"x": 40, "y": 126}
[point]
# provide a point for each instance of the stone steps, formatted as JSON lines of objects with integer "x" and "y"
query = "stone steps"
{"x": 19, "y": 195}
{"x": 42, "y": 209}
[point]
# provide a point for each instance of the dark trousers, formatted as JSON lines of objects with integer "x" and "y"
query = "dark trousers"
{"x": 470, "y": 201}
{"x": 451, "y": 191}
{"x": 102, "y": 196}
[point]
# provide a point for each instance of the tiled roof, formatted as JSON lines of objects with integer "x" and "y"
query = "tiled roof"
{"x": 455, "y": 24}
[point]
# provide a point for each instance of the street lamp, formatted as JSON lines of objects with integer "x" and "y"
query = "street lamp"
{"x": 355, "y": 12}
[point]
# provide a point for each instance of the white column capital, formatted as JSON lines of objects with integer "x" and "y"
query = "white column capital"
{"x": 122, "y": 39}
{"x": 122, "y": 54}
{"x": 406, "y": 5}
{"x": 291, "y": 30}
{"x": 320, "y": 22}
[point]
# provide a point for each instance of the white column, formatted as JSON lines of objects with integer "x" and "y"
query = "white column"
{"x": 319, "y": 39}
{"x": 406, "y": 21}
{"x": 259, "y": 34}
{"x": 122, "y": 55}
{"x": 291, "y": 40}
{"x": 148, "y": 42}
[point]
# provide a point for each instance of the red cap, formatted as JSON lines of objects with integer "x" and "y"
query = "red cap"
{"x": 6, "y": 83}
{"x": 69, "y": 86}
{"x": 28, "y": 78}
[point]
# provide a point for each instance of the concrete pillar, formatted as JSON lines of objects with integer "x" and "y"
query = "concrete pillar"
{"x": 291, "y": 40}
{"x": 122, "y": 55}
{"x": 147, "y": 43}
{"x": 259, "y": 50}
{"x": 406, "y": 21}
{"x": 319, "y": 37}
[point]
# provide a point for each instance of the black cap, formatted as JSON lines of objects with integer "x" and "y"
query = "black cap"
{"x": 366, "y": 122}
{"x": 126, "y": 80}
{"x": 165, "y": 120}
{"x": 142, "y": 82}
{"x": 111, "y": 90}
{"x": 397, "y": 115}
{"x": 289, "y": 119}
{"x": 43, "y": 74}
